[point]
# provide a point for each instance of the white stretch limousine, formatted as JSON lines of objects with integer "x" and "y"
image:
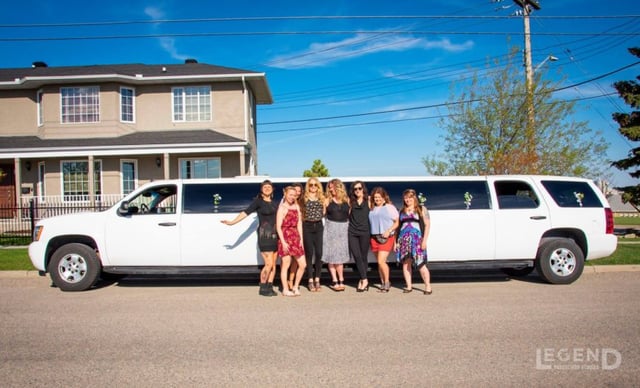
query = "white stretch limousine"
{"x": 511, "y": 222}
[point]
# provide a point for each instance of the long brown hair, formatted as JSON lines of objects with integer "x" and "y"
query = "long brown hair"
{"x": 416, "y": 207}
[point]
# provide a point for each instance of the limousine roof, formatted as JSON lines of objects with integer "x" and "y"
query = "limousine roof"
{"x": 281, "y": 180}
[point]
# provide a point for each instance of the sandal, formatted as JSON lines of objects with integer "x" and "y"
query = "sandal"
{"x": 407, "y": 290}
{"x": 428, "y": 292}
{"x": 341, "y": 286}
{"x": 287, "y": 293}
{"x": 335, "y": 286}
{"x": 311, "y": 286}
{"x": 384, "y": 287}
{"x": 296, "y": 291}
{"x": 317, "y": 285}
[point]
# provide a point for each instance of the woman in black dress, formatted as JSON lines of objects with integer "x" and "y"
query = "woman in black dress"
{"x": 266, "y": 209}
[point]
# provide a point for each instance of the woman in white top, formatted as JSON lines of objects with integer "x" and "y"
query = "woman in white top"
{"x": 383, "y": 219}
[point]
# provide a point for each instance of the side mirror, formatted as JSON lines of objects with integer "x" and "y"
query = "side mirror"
{"x": 125, "y": 209}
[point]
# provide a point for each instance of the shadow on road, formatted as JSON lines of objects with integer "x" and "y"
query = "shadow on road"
{"x": 351, "y": 279}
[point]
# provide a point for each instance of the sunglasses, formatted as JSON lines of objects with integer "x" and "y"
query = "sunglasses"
{"x": 314, "y": 185}
{"x": 357, "y": 188}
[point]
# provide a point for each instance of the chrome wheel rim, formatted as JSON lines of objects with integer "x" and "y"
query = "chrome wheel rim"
{"x": 562, "y": 262}
{"x": 72, "y": 268}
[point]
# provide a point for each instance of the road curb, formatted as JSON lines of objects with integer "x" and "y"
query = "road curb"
{"x": 611, "y": 268}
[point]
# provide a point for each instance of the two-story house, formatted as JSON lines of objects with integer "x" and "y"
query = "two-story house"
{"x": 83, "y": 133}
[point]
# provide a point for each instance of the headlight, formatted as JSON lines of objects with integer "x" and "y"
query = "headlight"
{"x": 37, "y": 232}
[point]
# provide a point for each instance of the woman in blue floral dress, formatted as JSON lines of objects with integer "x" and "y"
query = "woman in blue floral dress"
{"x": 411, "y": 240}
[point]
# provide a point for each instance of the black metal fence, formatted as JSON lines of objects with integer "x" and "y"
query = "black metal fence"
{"x": 18, "y": 222}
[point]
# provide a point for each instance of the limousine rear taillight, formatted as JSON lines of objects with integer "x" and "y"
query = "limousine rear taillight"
{"x": 608, "y": 215}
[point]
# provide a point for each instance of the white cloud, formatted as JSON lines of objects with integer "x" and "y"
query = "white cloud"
{"x": 322, "y": 54}
{"x": 168, "y": 44}
{"x": 154, "y": 13}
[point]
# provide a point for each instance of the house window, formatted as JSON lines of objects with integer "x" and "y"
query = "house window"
{"x": 80, "y": 105}
{"x": 200, "y": 168}
{"x": 40, "y": 108}
{"x": 192, "y": 103}
{"x": 75, "y": 180}
{"x": 127, "y": 105}
{"x": 129, "y": 171}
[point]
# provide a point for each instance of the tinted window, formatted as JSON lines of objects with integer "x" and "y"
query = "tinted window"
{"x": 443, "y": 195}
{"x": 234, "y": 197}
{"x": 516, "y": 195}
{"x": 572, "y": 194}
{"x": 154, "y": 200}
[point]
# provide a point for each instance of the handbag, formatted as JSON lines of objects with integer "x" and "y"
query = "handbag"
{"x": 380, "y": 238}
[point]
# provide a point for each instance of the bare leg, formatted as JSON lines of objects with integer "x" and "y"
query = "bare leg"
{"x": 274, "y": 260}
{"x": 302, "y": 263}
{"x": 406, "y": 272}
{"x": 383, "y": 267}
{"x": 268, "y": 267}
{"x": 284, "y": 271}
{"x": 426, "y": 278}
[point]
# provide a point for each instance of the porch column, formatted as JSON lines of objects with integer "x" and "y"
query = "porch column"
{"x": 165, "y": 165}
{"x": 18, "y": 178}
{"x": 92, "y": 191}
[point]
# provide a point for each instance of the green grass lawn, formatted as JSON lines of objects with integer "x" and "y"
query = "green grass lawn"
{"x": 17, "y": 259}
{"x": 626, "y": 221}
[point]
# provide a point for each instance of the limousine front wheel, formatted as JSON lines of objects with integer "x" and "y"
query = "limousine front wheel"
{"x": 74, "y": 267}
{"x": 560, "y": 261}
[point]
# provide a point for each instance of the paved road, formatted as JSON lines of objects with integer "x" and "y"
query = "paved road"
{"x": 473, "y": 331}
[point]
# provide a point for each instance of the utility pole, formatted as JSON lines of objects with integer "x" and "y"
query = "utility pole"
{"x": 530, "y": 131}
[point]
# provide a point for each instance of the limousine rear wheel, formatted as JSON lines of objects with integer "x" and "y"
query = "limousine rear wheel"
{"x": 74, "y": 267}
{"x": 560, "y": 261}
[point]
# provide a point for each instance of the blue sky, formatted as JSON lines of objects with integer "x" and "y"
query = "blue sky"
{"x": 328, "y": 77}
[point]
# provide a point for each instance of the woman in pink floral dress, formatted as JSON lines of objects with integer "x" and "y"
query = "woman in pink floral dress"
{"x": 290, "y": 246}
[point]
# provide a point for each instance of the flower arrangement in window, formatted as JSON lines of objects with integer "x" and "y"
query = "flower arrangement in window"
{"x": 216, "y": 199}
{"x": 421, "y": 199}
{"x": 579, "y": 197}
{"x": 467, "y": 199}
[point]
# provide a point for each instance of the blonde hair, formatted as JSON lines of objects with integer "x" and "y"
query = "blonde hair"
{"x": 307, "y": 190}
{"x": 340, "y": 190}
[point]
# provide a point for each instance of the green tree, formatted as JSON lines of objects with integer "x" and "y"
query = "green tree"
{"x": 485, "y": 132}
{"x": 317, "y": 170}
{"x": 630, "y": 128}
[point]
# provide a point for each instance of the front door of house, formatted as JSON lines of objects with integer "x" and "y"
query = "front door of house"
{"x": 7, "y": 191}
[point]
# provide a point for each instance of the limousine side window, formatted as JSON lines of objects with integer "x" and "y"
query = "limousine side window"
{"x": 516, "y": 195}
{"x": 440, "y": 195}
{"x": 155, "y": 200}
{"x": 234, "y": 197}
{"x": 572, "y": 194}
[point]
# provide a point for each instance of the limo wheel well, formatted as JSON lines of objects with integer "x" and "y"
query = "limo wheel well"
{"x": 559, "y": 260}
{"x": 576, "y": 235}
{"x": 74, "y": 267}
{"x": 57, "y": 242}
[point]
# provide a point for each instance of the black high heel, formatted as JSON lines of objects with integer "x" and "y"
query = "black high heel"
{"x": 363, "y": 289}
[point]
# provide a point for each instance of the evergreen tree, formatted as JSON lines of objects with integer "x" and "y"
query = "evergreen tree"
{"x": 630, "y": 128}
{"x": 317, "y": 170}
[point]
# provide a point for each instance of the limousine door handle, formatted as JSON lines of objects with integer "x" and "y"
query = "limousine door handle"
{"x": 167, "y": 224}
{"x": 538, "y": 217}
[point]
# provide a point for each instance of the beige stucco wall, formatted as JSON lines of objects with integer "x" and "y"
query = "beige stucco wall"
{"x": 153, "y": 106}
{"x": 18, "y": 112}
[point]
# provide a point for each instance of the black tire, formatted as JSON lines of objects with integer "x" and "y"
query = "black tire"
{"x": 74, "y": 267}
{"x": 517, "y": 272}
{"x": 560, "y": 261}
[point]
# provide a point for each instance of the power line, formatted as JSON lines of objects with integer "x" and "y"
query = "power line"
{"x": 289, "y": 18}
{"x": 439, "y": 104}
